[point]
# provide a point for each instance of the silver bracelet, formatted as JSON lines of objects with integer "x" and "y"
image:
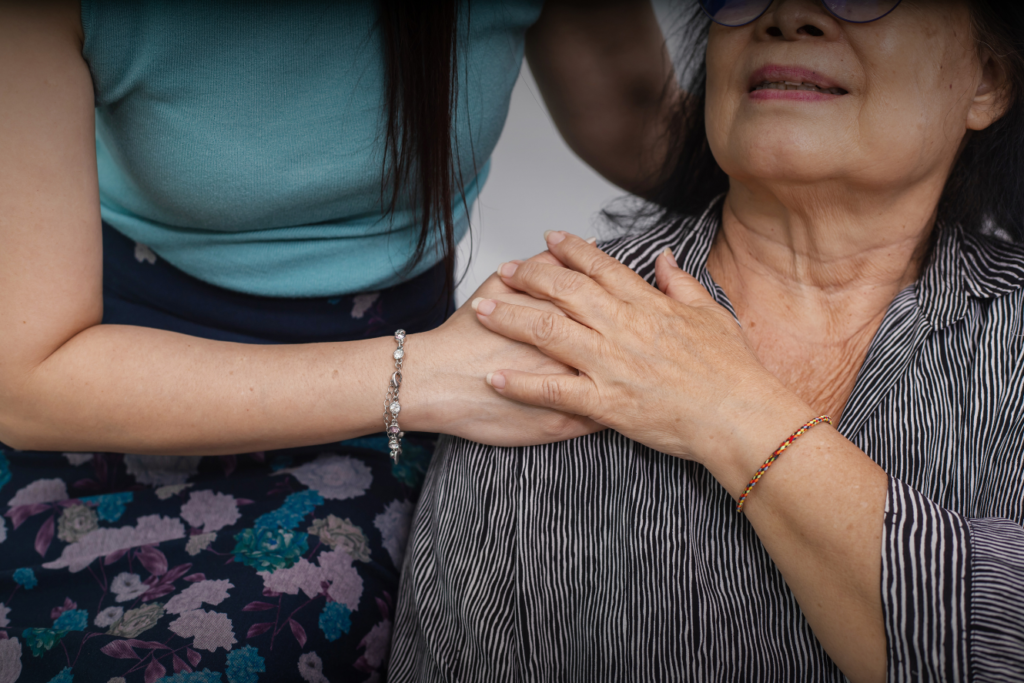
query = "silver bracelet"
{"x": 391, "y": 402}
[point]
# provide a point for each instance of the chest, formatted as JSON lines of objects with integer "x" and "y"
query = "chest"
{"x": 821, "y": 369}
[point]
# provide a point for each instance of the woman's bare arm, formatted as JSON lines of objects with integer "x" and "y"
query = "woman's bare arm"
{"x": 608, "y": 82}
{"x": 67, "y": 382}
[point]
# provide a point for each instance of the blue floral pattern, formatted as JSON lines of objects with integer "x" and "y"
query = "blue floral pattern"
{"x": 64, "y": 676}
{"x": 109, "y": 507}
{"x": 335, "y": 620}
{"x": 25, "y": 577}
{"x": 245, "y": 665}
{"x": 259, "y": 567}
{"x": 72, "y": 620}
{"x": 5, "y": 470}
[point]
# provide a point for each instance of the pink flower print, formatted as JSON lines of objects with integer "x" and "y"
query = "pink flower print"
{"x": 76, "y": 459}
{"x": 109, "y": 617}
{"x": 334, "y": 476}
{"x": 346, "y": 583}
{"x": 149, "y": 530}
{"x": 303, "y": 575}
{"x": 161, "y": 470}
{"x": 210, "y": 510}
{"x": 127, "y": 586}
{"x": 40, "y": 491}
{"x": 212, "y": 592}
{"x": 377, "y": 643}
{"x": 311, "y": 668}
{"x": 144, "y": 254}
{"x": 209, "y": 630}
{"x": 393, "y": 524}
{"x": 361, "y": 304}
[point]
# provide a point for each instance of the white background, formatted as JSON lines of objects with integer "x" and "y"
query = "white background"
{"x": 536, "y": 184}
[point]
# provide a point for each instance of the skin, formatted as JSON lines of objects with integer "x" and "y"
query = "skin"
{"x": 830, "y": 209}
{"x": 592, "y": 61}
{"x": 68, "y": 382}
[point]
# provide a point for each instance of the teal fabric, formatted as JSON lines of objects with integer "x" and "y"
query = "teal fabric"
{"x": 242, "y": 141}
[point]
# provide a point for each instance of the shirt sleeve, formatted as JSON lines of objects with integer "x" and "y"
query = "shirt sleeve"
{"x": 951, "y": 593}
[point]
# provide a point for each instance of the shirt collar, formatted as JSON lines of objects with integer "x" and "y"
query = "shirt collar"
{"x": 963, "y": 267}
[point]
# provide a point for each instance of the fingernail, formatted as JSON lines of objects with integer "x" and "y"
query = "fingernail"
{"x": 496, "y": 381}
{"x": 554, "y": 237}
{"x": 671, "y": 256}
{"x": 592, "y": 240}
{"x": 482, "y": 306}
{"x": 508, "y": 269}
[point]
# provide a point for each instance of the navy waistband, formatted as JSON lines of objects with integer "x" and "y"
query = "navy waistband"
{"x": 139, "y": 288}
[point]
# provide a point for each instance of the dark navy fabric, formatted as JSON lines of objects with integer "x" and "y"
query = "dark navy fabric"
{"x": 276, "y": 566}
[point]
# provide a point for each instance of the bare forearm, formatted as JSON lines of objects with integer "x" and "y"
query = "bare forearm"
{"x": 132, "y": 389}
{"x": 819, "y": 513}
{"x": 608, "y": 83}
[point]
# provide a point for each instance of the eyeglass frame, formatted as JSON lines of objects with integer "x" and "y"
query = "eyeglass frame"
{"x": 772, "y": 2}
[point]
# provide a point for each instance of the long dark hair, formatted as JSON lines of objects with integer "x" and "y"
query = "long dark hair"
{"x": 420, "y": 41}
{"x": 985, "y": 190}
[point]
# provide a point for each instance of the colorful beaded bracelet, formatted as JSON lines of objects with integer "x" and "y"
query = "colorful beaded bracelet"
{"x": 775, "y": 456}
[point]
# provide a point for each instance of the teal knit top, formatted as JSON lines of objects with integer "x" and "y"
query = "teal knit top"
{"x": 242, "y": 140}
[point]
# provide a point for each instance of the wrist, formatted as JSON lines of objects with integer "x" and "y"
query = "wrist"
{"x": 419, "y": 383}
{"x": 765, "y": 423}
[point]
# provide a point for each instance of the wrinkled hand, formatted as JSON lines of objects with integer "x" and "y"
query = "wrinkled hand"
{"x": 670, "y": 369}
{"x": 447, "y": 385}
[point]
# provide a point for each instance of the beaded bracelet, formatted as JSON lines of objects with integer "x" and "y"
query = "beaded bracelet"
{"x": 775, "y": 456}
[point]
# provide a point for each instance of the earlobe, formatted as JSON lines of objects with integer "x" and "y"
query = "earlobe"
{"x": 991, "y": 99}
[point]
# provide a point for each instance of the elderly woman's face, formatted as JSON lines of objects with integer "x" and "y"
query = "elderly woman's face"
{"x": 889, "y": 102}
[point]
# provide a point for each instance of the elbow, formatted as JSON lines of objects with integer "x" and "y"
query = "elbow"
{"x": 19, "y": 428}
{"x": 13, "y": 431}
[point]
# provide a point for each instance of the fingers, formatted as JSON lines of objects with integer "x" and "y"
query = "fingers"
{"x": 677, "y": 283}
{"x": 584, "y": 257}
{"x": 565, "y": 393}
{"x": 556, "y": 336}
{"x": 544, "y": 257}
{"x": 580, "y": 297}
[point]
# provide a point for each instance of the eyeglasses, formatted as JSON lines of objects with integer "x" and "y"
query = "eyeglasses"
{"x": 742, "y": 12}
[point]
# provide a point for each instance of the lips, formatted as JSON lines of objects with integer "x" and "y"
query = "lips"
{"x": 773, "y": 77}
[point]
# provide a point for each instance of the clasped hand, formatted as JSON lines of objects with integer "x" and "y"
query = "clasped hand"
{"x": 670, "y": 369}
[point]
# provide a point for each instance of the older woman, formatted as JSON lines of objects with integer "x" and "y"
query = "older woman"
{"x": 858, "y": 219}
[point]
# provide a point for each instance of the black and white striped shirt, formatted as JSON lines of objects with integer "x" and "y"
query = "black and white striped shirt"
{"x": 599, "y": 559}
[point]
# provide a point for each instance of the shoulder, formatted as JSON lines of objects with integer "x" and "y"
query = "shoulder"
{"x": 689, "y": 237}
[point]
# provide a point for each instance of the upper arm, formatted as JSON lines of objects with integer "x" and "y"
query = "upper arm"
{"x": 607, "y": 80}
{"x": 50, "y": 238}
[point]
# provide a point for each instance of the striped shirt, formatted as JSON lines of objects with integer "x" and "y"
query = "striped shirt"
{"x": 599, "y": 559}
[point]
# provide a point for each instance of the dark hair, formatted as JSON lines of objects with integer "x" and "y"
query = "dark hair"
{"x": 420, "y": 42}
{"x": 985, "y": 190}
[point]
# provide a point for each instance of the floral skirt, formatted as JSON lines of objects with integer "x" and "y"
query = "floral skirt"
{"x": 275, "y": 567}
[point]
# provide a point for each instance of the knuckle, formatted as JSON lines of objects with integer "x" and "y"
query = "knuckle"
{"x": 545, "y": 328}
{"x": 552, "y": 391}
{"x": 566, "y": 282}
{"x": 601, "y": 266}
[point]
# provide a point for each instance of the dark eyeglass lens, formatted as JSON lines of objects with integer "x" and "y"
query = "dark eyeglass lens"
{"x": 861, "y": 11}
{"x": 735, "y": 12}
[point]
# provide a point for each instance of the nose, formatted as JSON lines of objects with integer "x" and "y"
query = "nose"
{"x": 797, "y": 20}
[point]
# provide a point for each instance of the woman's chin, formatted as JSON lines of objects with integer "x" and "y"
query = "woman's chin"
{"x": 785, "y": 164}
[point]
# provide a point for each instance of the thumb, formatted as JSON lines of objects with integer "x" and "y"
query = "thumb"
{"x": 676, "y": 283}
